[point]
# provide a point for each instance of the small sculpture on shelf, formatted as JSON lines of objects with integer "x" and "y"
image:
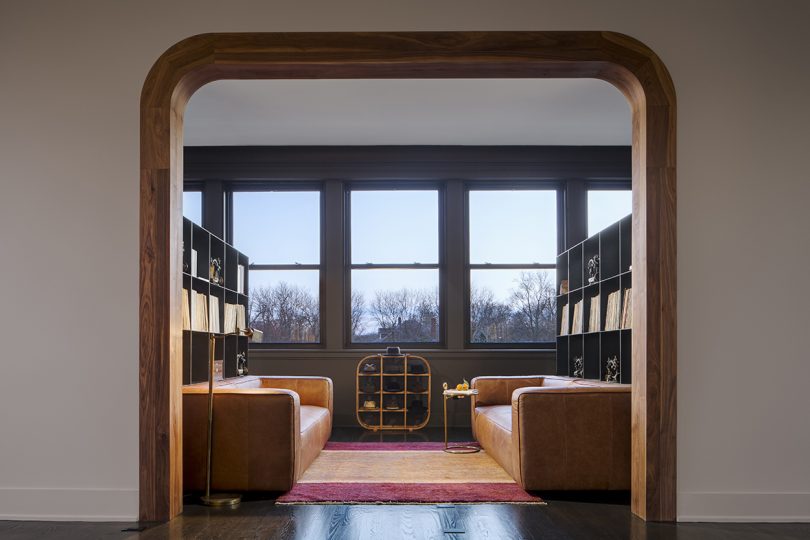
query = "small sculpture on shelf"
{"x": 612, "y": 370}
{"x": 593, "y": 269}
{"x": 579, "y": 367}
{"x": 215, "y": 271}
{"x": 241, "y": 364}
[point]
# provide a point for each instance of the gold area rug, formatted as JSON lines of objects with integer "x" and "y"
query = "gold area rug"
{"x": 426, "y": 475}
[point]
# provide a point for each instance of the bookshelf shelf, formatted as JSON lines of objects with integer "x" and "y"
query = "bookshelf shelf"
{"x": 209, "y": 307}
{"x": 602, "y": 332}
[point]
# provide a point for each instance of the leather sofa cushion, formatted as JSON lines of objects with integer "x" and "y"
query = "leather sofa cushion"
{"x": 500, "y": 415}
{"x": 493, "y": 429}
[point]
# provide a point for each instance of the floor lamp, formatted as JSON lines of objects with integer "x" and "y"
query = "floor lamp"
{"x": 217, "y": 499}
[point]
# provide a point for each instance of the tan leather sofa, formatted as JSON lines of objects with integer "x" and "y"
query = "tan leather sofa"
{"x": 555, "y": 433}
{"x": 267, "y": 431}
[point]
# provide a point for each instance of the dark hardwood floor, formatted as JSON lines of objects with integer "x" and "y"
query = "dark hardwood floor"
{"x": 567, "y": 516}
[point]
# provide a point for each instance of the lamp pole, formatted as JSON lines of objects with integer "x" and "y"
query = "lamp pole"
{"x": 217, "y": 499}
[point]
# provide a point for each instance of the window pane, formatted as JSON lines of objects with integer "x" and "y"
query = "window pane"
{"x": 278, "y": 227}
{"x": 284, "y": 304}
{"x": 395, "y": 306}
{"x": 606, "y": 207}
{"x": 395, "y": 226}
{"x": 192, "y": 206}
{"x": 512, "y": 227}
{"x": 512, "y": 306}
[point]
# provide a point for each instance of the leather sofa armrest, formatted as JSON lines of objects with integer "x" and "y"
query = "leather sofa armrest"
{"x": 257, "y": 438}
{"x": 584, "y": 434}
{"x": 493, "y": 390}
{"x": 316, "y": 391}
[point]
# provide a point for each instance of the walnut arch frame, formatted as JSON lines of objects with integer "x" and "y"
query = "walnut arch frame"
{"x": 618, "y": 59}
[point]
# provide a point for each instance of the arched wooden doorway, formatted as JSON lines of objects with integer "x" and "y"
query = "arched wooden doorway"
{"x": 626, "y": 63}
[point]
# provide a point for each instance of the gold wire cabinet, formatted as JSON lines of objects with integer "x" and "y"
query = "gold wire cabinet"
{"x": 393, "y": 392}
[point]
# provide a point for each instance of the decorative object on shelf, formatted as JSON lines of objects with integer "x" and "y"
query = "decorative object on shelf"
{"x": 593, "y": 269}
{"x": 462, "y": 391}
{"x": 391, "y": 403}
{"x": 215, "y": 271}
{"x": 579, "y": 368}
{"x": 399, "y": 388}
{"x": 369, "y": 404}
{"x": 612, "y": 370}
{"x": 393, "y": 351}
{"x": 241, "y": 364}
{"x": 564, "y": 286}
{"x": 369, "y": 368}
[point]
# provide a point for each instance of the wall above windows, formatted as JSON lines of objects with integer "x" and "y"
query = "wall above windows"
{"x": 406, "y": 245}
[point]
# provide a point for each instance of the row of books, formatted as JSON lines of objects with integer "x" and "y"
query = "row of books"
{"x": 202, "y": 315}
{"x": 619, "y": 314}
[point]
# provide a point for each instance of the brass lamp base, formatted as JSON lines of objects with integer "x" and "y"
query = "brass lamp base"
{"x": 462, "y": 449}
{"x": 221, "y": 499}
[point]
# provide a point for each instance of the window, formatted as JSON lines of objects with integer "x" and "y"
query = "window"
{"x": 606, "y": 207}
{"x": 394, "y": 266}
{"x": 280, "y": 231}
{"x": 192, "y": 206}
{"x": 512, "y": 254}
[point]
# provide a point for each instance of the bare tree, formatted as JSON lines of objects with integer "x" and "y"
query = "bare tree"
{"x": 405, "y": 315}
{"x": 285, "y": 313}
{"x": 533, "y": 305}
{"x": 489, "y": 319}
{"x": 358, "y": 309}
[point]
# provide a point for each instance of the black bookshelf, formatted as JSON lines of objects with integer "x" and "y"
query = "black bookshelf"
{"x": 197, "y": 279}
{"x": 595, "y": 346}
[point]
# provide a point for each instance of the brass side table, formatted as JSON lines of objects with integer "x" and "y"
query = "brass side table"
{"x": 457, "y": 394}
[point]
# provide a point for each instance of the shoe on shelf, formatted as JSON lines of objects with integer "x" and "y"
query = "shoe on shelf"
{"x": 369, "y": 367}
{"x": 416, "y": 369}
{"x": 369, "y": 387}
{"x": 369, "y": 404}
{"x": 392, "y": 386}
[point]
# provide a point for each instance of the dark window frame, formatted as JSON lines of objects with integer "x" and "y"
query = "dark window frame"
{"x": 284, "y": 186}
{"x": 558, "y": 186}
{"x": 219, "y": 170}
{"x": 348, "y": 265}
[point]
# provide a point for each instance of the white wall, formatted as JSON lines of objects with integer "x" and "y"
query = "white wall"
{"x": 70, "y": 77}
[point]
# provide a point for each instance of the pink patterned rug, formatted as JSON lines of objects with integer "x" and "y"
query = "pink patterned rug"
{"x": 404, "y": 473}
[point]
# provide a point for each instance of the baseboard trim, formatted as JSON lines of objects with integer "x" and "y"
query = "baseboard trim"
{"x": 744, "y": 507}
{"x": 68, "y": 504}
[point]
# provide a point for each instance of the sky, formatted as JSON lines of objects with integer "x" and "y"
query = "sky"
{"x": 401, "y": 226}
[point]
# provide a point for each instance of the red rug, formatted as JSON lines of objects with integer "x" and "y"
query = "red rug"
{"x": 387, "y": 493}
{"x": 427, "y": 476}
